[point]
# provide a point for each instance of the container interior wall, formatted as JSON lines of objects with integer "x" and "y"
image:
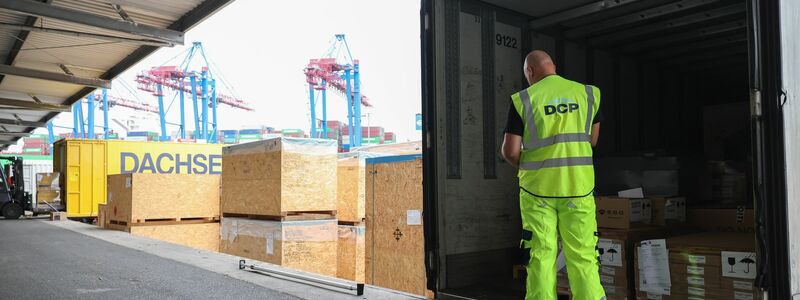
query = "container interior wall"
{"x": 676, "y": 115}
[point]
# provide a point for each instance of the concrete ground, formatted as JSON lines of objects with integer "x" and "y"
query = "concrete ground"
{"x": 68, "y": 260}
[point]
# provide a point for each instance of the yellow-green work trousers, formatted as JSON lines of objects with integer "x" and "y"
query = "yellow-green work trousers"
{"x": 574, "y": 218}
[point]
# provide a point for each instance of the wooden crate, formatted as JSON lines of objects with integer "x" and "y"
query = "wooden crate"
{"x": 101, "y": 216}
{"x": 303, "y": 245}
{"x": 351, "y": 191}
{"x": 192, "y": 234}
{"x": 141, "y": 198}
{"x": 395, "y": 247}
{"x": 350, "y": 253}
{"x": 280, "y": 175}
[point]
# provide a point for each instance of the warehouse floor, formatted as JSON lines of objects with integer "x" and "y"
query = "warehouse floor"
{"x": 46, "y": 260}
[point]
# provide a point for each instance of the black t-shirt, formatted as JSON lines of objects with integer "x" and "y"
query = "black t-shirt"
{"x": 514, "y": 125}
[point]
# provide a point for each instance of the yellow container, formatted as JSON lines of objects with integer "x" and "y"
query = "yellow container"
{"x": 84, "y": 165}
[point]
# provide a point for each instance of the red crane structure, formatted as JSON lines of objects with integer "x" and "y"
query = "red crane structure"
{"x": 328, "y": 72}
{"x": 172, "y": 77}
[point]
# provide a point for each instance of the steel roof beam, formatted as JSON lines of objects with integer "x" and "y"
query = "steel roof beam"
{"x": 14, "y": 134}
{"x": 644, "y": 15}
{"x": 577, "y": 12}
{"x": 39, "y": 9}
{"x": 86, "y": 34}
{"x": 22, "y": 123}
{"x": 694, "y": 18}
{"x": 52, "y": 76}
{"x": 34, "y": 105}
{"x": 675, "y": 39}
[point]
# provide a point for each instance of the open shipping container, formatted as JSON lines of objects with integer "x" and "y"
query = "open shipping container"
{"x": 686, "y": 83}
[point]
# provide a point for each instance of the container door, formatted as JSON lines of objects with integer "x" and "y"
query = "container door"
{"x": 789, "y": 102}
{"x": 774, "y": 55}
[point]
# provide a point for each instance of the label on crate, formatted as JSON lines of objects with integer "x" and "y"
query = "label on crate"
{"x": 605, "y": 279}
{"x": 270, "y": 243}
{"x": 697, "y": 259}
{"x": 743, "y": 285}
{"x": 696, "y": 281}
{"x": 608, "y": 270}
{"x": 127, "y": 182}
{"x": 611, "y": 252}
{"x": 654, "y": 276}
{"x": 742, "y": 296}
{"x": 413, "y": 217}
{"x": 108, "y": 200}
{"x": 693, "y": 270}
{"x": 696, "y": 291}
{"x": 739, "y": 264}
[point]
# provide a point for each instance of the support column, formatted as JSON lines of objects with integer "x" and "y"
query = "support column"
{"x": 182, "y": 129}
{"x": 204, "y": 102}
{"x": 193, "y": 80}
{"x": 349, "y": 97}
{"x": 90, "y": 113}
{"x": 357, "y": 103}
{"x": 161, "y": 113}
{"x": 214, "y": 131}
{"x": 105, "y": 114}
{"x": 313, "y": 128}
{"x": 324, "y": 111}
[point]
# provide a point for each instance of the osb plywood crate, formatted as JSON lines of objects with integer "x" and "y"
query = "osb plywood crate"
{"x": 351, "y": 190}
{"x": 302, "y": 245}
{"x": 141, "y": 198}
{"x": 395, "y": 248}
{"x": 350, "y": 253}
{"x": 203, "y": 236}
{"x": 101, "y": 216}
{"x": 279, "y": 176}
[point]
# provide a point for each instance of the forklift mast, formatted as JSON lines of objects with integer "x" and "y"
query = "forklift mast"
{"x": 13, "y": 185}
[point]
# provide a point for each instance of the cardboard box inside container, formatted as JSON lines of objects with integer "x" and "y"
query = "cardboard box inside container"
{"x": 623, "y": 213}
{"x": 738, "y": 220}
{"x": 668, "y": 210}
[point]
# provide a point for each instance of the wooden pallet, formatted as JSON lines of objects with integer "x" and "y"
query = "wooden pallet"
{"x": 165, "y": 221}
{"x": 289, "y": 216}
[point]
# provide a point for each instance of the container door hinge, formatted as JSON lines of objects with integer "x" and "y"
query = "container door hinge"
{"x": 755, "y": 103}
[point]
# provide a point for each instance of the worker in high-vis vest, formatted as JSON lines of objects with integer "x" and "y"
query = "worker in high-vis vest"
{"x": 553, "y": 126}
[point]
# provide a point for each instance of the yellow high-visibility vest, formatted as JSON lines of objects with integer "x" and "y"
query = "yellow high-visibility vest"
{"x": 556, "y": 157}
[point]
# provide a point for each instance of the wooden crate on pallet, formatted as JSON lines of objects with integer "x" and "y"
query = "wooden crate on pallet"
{"x": 278, "y": 176}
{"x": 141, "y": 198}
{"x": 302, "y": 245}
{"x": 395, "y": 247}
{"x": 350, "y": 253}
{"x": 194, "y": 234}
{"x": 351, "y": 189}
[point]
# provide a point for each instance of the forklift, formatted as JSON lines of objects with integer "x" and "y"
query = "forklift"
{"x": 14, "y": 200}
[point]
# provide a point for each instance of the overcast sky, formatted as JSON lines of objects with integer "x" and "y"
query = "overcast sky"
{"x": 260, "y": 49}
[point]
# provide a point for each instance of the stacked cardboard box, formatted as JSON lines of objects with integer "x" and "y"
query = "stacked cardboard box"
{"x": 177, "y": 208}
{"x": 707, "y": 265}
{"x": 279, "y": 203}
{"x": 622, "y": 222}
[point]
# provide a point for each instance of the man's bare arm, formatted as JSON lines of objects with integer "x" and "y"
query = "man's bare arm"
{"x": 595, "y": 134}
{"x": 511, "y": 149}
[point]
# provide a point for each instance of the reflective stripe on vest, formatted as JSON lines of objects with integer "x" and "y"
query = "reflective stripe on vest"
{"x": 535, "y": 142}
{"x": 556, "y": 162}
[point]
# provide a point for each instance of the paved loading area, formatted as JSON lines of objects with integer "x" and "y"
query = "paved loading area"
{"x": 68, "y": 260}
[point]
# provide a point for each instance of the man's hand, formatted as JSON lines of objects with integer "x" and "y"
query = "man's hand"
{"x": 511, "y": 149}
{"x": 595, "y": 134}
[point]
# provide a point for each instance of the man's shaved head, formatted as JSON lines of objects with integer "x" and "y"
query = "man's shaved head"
{"x": 538, "y": 65}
